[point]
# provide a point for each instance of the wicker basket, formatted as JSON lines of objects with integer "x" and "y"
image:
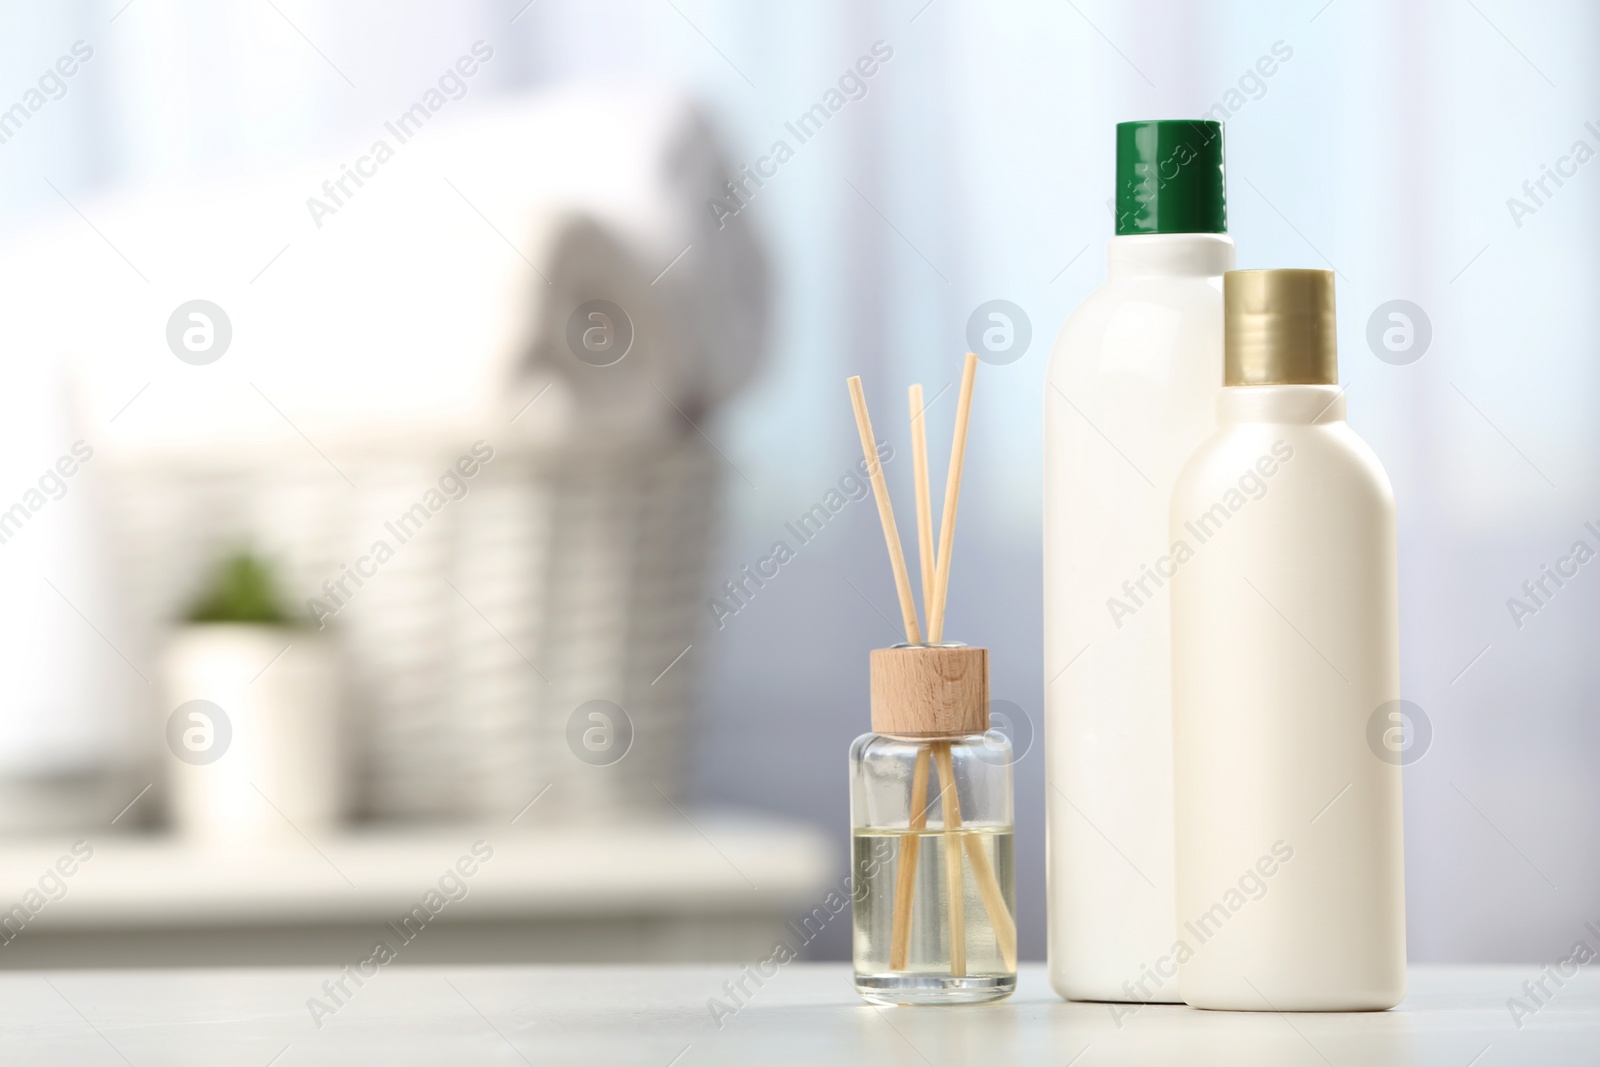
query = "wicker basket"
{"x": 565, "y": 574}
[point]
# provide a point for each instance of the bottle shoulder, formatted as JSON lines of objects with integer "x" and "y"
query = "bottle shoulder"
{"x": 1327, "y": 459}
{"x": 987, "y": 755}
{"x": 1142, "y": 327}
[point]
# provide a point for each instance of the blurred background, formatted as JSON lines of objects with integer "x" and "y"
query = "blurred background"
{"x": 399, "y": 399}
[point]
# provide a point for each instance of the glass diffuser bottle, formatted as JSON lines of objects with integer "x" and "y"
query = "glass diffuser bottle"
{"x": 933, "y": 911}
{"x": 930, "y": 801}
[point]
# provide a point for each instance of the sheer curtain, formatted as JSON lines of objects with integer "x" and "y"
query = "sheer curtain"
{"x": 975, "y": 164}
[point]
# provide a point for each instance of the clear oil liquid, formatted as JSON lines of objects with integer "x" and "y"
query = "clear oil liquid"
{"x": 930, "y": 971}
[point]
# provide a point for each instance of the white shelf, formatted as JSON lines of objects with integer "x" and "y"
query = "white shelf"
{"x": 721, "y": 881}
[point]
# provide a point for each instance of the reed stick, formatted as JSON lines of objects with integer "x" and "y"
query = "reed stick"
{"x": 994, "y": 900}
{"x": 952, "y": 493}
{"x": 952, "y": 858}
{"x": 983, "y": 873}
{"x": 880, "y": 492}
{"x": 919, "y": 472}
{"x": 911, "y": 845}
{"x": 905, "y": 884}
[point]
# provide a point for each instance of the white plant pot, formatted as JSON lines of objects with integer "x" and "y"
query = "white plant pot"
{"x": 252, "y": 740}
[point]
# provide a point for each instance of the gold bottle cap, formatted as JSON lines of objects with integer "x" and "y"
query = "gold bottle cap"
{"x": 1278, "y": 328}
{"x": 929, "y": 691}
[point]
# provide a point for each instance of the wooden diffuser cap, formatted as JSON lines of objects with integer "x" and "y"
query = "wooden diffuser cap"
{"x": 930, "y": 690}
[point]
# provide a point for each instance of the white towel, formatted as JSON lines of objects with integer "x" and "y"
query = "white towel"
{"x": 438, "y": 286}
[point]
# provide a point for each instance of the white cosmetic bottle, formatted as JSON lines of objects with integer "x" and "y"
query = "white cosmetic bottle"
{"x": 1285, "y": 620}
{"x": 1131, "y": 390}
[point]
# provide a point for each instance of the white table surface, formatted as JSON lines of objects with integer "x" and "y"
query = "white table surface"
{"x": 807, "y": 1013}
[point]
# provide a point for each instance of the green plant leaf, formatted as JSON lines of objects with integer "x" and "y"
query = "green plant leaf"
{"x": 242, "y": 590}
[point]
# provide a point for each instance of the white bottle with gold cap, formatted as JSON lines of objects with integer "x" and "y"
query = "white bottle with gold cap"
{"x": 1285, "y": 635}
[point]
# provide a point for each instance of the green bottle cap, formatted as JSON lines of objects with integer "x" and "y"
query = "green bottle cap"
{"x": 1169, "y": 177}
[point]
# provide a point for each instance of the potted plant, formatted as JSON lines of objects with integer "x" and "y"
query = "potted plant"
{"x": 250, "y": 715}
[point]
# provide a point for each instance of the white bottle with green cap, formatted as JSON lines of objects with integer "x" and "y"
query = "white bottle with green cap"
{"x": 1130, "y": 392}
{"x": 1286, "y": 674}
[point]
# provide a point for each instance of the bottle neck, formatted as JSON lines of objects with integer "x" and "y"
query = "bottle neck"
{"x": 1306, "y": 405}
{"x": 1169, "y": 255}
